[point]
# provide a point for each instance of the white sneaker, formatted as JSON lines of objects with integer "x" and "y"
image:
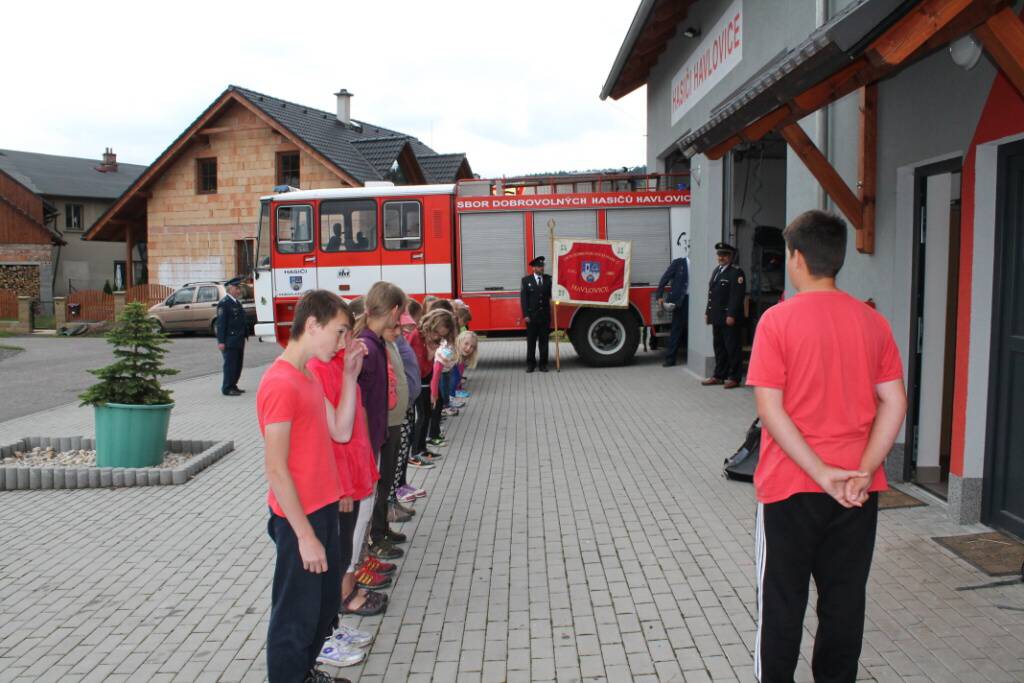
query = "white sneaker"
{"x": 334, "y": 653}
{"x": 351, "y": 637}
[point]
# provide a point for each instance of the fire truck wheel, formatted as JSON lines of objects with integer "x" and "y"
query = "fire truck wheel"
{"x": 605, "y": 338}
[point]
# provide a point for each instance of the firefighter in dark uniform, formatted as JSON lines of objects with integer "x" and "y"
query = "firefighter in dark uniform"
{"x": 678, "y": 302}
{"x": 724, "y": 313}
{"x": 232, "y": 329}
{"x": 535, "y": 301}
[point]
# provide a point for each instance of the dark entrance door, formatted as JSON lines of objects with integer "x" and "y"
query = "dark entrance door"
{"x": 1004, "y": 462}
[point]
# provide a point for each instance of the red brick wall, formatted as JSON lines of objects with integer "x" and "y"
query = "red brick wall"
{"x": 192, "y": 236}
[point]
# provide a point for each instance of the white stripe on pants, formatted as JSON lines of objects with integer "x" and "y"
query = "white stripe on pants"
{"x": 760, "y": 552}
{"x": 359, "y": 534}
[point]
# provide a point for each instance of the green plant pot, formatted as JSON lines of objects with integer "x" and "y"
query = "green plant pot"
{"x": 131, "y": 436}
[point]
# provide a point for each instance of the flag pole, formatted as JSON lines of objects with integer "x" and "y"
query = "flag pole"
{"x": 554, "y": 307}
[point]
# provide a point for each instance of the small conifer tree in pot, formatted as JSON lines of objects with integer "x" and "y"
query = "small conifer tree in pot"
{"x": 132, "y": 409}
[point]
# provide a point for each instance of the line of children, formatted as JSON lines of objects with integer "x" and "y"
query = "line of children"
{"x": 343, "y": 411}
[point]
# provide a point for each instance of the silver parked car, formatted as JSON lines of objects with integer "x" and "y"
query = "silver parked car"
{"x": 193, "y": 308}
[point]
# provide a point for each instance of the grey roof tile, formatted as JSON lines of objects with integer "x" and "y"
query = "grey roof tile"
{"x": 360, "y": 149}
{"x": 441, "y": 168}
{"x": 59, "y": 176}
{"x": 381, "y": 152}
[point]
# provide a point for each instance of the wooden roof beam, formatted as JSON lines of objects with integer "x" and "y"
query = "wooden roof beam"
{"x": 914, "y": 29}
{"x": 215, "y": 130}
{"x": 1003, "y": 38}
{"x": 867, "y": 167}
{"x": 863, "y": 71}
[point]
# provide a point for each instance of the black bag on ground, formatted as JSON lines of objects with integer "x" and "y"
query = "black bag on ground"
{"x": 741, "y": 464}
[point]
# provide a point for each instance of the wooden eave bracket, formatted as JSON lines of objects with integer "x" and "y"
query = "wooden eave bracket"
{"x": 1002, "y": 36}
{"x": 859, "y": 206}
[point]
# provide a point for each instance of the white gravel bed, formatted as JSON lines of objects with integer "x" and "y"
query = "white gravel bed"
{"x": 49, "y": 457}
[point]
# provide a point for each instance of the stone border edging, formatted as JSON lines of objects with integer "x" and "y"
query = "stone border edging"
{"x": 33, "y": 478}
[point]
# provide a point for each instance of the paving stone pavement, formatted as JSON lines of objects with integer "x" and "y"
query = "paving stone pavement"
{"x": 577, "y": 529}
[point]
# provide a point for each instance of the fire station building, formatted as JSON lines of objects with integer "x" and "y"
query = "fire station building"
{"x": 907, "y": 118}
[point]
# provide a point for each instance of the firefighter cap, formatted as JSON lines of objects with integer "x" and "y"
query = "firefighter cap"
{"x": 725, "y": 247}
{"x": 539, "y": 261}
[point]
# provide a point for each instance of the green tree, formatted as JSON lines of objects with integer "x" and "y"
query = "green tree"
{"x": 134, "y": 377}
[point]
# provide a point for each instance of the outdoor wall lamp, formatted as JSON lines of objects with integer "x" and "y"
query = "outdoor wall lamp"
{"x": 965, "y": 51}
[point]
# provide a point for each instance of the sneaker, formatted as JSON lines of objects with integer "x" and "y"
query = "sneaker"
{"x": 450, "y": 412}
{"x": 455, "y": 403}
{"x": 353, "y": 637}
{"x": 462, "y": 393}
{"x": 420, "y": 462}
{"x": 334, "y": 653}
{"x": 397, "y": 515}
{"x": 437, "y": 442}
{"x": 406, "y": 493}
{"x": 368, "y": 579}
{"x": 379, "y": 566}
{"x": 408, "y": 510}
{"x": 432, "y": 456}
{"x": 419, "y": 493}
{"x": 384, "y": 550}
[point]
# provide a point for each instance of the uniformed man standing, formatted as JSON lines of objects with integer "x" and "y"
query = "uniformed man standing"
{"x": 724, "y": 313}
{"x": 232, "y": 329}
{"x": 677, "y": 276}
{"x": 535, "y": 301}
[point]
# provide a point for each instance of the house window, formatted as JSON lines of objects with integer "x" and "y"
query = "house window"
{"x": 206, "y": 176}
{"x": 244, "y": 262}
{"x": 288, "y": 169}
{"x": 73, "y": 217}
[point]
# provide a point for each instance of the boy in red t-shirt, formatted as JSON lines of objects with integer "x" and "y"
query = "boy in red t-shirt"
{"x": 298, "y": 426}
{"x": 829, "y": 388}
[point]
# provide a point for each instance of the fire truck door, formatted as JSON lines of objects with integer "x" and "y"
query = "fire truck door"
{"x": 263, "y": 275}
{"x": 350, "y": 253}
{"x": 294, "y": 254}
{"x": 403, "y": 259}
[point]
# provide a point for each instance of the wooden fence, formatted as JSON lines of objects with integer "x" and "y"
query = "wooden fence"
{"x": 90, "y": 305}
{"x": 8, "y": 304}
{"x": 147, "y": 295}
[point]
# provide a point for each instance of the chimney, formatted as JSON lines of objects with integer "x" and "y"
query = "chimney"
{"x": 109, "y": 161}
{"x": 344, "y": 106}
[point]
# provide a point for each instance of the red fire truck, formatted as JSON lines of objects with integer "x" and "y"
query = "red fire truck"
{"x": 472, "y": 241}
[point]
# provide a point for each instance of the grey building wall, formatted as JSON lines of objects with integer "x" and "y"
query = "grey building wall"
{"x": 769, "y": 27}
{"x": 85, "y": 265}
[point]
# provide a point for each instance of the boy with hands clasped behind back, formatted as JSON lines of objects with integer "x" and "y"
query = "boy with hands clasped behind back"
{"x": 829, "y": 389}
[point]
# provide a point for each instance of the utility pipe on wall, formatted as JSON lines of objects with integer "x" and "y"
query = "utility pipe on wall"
{"x": 821, "y": 115}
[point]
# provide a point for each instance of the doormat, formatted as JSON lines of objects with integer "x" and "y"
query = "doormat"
{"x": 894, "y": 498}
{"x": 993, "y": 553}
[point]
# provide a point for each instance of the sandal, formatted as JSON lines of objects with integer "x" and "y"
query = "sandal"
{"x": 373, "y": 604}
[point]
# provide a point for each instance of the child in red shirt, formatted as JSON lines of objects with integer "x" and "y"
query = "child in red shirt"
{"x": 304, "y": 485}
{"x": 829, "y": 388}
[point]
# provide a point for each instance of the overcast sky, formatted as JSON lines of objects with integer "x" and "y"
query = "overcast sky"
{"x": 515, "y": 85}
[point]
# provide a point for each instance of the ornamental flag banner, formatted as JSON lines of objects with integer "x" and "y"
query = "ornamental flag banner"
{"x": 591, "y": 272}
